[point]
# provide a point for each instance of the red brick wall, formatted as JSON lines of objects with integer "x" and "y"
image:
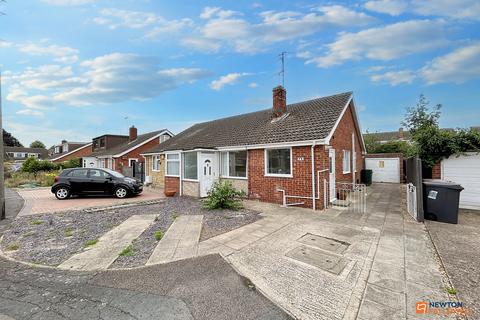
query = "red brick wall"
{"x": 172, "y": 183}
{"x": 83, "y": 152}
{"x": 390, "y": 155}
{"x": 265, "y": 188}
{"x": 437, "y": 171}
{"x": 134, "y": 154}
{"x": 342, "y": 140}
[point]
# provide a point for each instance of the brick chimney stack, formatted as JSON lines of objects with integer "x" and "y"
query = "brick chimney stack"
{"x": 279, "y": 101}
{"x": 132, "y": 133}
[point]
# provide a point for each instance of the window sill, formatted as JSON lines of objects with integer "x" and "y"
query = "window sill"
{"x": 271, "y": 175}
{"x": 153, "y": 170}
{"x": 172, "y": 176}
{"x": 190, "y": 180}
{"x": 346, "y": 172}
{"x": 235, "y": 178}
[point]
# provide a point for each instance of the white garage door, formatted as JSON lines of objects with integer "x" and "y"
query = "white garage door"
{"x": 464, "y": 170}
{"x": 384, "y": 169}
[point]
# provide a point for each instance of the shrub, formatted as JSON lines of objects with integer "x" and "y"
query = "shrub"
{"x": 158, "y": 235}
{"x": 43, "y": 179}
{"x": 72, "y": 163}
{"x": 33, "y": 165}
{"x": 224, "y": 196}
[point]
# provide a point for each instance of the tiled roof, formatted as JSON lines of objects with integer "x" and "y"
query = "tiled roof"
{"x": 72, "y": 148}
{"x": 308, "y": 120}
{"x": 42, "y": 151}
{"x": 388, "y": 135}
{"x": 128, "y": 145}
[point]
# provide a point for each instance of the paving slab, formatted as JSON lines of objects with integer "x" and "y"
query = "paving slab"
{"x": 180, "y": 240}
{"x": 104, "y": 253}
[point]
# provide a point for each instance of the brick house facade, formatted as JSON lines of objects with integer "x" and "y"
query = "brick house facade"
{"x": 78, "y": 153}
{"x": 314, "y": 127}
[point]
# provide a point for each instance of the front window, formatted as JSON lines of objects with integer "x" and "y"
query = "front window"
{"x": 110, "y": 163}
{"x": 156, "y": 163}
{"x": 190, "y": 168}
{"x": 346, "y": 161}
{"x": 278, "y": 161}
{"x": 164, "y": 137}
{"x": 234, "y": 164}
{"x": 173, "y": 164}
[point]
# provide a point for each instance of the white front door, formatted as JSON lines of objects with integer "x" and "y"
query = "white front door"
{"x": 208, "y": 172}
{"x": 331, "y": 164}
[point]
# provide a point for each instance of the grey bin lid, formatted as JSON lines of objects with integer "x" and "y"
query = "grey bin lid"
{"x": 442, "y": 184}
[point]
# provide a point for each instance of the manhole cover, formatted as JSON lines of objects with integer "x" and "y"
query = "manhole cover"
{"x": 319, "y": 259}
{"x": 324, "y": 243}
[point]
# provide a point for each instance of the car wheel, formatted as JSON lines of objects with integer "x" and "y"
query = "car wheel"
{"x": 121, "y": 192}
{"x": 62, "y": 193}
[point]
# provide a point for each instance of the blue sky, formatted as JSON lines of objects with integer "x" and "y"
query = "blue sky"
{"x": 75, "y": 69}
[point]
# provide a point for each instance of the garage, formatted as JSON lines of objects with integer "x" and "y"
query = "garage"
{"x": 384, "y": 169}
{"x": 464, "y": 170}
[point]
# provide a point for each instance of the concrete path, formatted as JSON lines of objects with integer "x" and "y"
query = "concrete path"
{"x": 104, "y": 253}
{"x": 338, "y": 264}
{"x": 180, "y": 240}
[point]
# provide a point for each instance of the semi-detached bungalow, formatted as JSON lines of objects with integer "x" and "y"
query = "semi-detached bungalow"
{"x": 289, "y": 154}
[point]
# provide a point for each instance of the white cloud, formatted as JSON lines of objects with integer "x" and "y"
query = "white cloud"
{"x": 456, "y": 9}
{"x": 106, "y": 79}
{"x": 30, "y": 112}
{"x": 68, "y": 2}
{"x": 395, "y": 77}
{"x": 459, "y": 66}
{"x": 384, "y": 43}
{"x": 5, "y": 44}
{"x": 60, "y": 53}
{"x": 228, "y": 28}
{"x": 228, "y": 79}
{"x": 391, "y": 7}
{"x": 253, "y": 85}
{"x": 117, "y": 18}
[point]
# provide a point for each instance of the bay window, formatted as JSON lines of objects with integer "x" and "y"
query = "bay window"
{"x": 278, "y": 162}
{"x": 173, "y": 164}
{"x": 190, "y": 168}
{"x": 234, "y": 164}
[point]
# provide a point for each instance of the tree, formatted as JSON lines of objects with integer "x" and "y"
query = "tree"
{"x": 421, "y": 115}
{"x": 9, "y": 140}
{"x": 431, "y": 143}
{"x": 37, "y": 144}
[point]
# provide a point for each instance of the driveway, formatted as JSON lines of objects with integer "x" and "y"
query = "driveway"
{"x": 459, "y": 248}
{"x": 41, "y": 200}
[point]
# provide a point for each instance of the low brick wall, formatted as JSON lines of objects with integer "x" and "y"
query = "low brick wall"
{"x": 172, "y": 183}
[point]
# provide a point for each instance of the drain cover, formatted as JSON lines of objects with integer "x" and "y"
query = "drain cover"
{"x": 319, "y": 259}
{"x": 324, "y": 243}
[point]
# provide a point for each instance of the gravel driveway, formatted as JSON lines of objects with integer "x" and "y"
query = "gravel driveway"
{"x": 51, "y": 239}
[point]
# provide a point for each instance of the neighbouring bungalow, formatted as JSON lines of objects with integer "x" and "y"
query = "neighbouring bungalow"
{"x": 289, "y": 154}
{"x": 121, "y": 152}
{"x": 20, "y": 154}
{"x": 67, "y": 150}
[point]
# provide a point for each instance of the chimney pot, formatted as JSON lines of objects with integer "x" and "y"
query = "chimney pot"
{"x": 279, "y": 101}
{"x": 132, "y": 133}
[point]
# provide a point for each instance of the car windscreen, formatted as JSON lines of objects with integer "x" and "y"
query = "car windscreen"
{"x": 114, "y": 173}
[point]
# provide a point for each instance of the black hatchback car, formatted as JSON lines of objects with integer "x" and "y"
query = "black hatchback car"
{"x": 83, "y": 181}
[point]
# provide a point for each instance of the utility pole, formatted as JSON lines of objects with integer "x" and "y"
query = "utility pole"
{"x": 2, "y": 154}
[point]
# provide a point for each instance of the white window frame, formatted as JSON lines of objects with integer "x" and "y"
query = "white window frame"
{"x": 177, "y": 160}
{"x": 344, "y": 162}
{"x": 354, "y": 161}
{"x": 155, "y": 159}
{"x": 228, "y": 166}
{"x": 110, "y": 163}
{"x": 277, "y": 175}
{"x": 183, "y": 167}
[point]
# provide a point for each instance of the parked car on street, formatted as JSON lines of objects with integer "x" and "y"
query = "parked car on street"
{"x": 84, "y": 181}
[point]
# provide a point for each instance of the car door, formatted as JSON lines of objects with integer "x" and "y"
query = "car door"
{"x": 98, "y": 181}
{"x": 78, "y": 179}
